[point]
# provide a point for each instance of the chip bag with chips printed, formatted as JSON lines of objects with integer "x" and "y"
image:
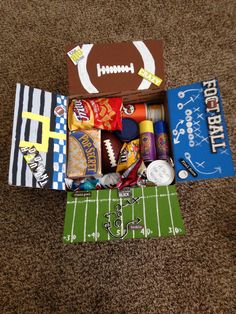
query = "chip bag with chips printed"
{"x": 99, "y": 113}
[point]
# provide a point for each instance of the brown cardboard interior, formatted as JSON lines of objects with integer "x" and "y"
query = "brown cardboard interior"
{"x": 149, "y": 96}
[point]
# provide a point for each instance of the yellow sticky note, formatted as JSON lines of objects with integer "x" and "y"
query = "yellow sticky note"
{"x": 150, "y": 77}
{"x": 75, "y": 54}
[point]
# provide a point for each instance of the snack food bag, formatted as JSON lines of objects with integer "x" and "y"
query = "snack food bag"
{"x": 129, "y": 153}
{"x": 84, "y": 154}
{"x": 98, "y": 113}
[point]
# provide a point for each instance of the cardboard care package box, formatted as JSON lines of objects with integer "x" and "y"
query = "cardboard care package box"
{"x": 119, "y": 143}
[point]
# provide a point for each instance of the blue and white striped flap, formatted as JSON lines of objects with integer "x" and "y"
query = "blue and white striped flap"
{"x": 38, "y": 151}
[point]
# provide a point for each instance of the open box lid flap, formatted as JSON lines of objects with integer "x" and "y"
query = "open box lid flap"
{"x": 113, "y": 67}
{"x": 38, "y": 152}
{"x": 198, "y": 131}
{"x": 146, "y": 213}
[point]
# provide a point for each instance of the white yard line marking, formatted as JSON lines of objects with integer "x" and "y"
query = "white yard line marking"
{"x": 73, "y": 222}
{"x": 170, "y": 208}
{"x": 96, "y": 225}
{"x": 157, "y": 209}
{"x": 85, "y": 220}
{"x": 133, "y": 231}
{"x": 117, "y": 200}
{"x": 121, "y": 217}
{"x": 144, "y": 215}
{"x": 109, "y": 210}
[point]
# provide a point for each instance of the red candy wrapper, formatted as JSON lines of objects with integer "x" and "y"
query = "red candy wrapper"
{"x": 130, "y": 176}
{"x": 98, "y": 113}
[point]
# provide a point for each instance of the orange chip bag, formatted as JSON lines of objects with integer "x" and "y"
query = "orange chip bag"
{"x": 98, "y": 113}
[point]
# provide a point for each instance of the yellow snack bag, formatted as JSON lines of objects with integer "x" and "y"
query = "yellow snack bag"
{"x": 130, "y": 152}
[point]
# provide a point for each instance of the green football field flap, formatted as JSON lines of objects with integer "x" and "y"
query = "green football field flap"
{"x": 149, "y": 212}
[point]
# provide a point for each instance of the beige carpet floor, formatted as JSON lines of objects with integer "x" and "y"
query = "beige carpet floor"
{"x": 191, "y": 274}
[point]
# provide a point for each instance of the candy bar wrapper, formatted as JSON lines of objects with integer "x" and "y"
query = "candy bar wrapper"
{"x": 130, "y": 152}
{"x": 98, "y": 113}
{"x": 84, "y": 154}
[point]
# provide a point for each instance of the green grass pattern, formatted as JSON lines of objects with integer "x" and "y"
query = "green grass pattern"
{"x": 157, "y": 208}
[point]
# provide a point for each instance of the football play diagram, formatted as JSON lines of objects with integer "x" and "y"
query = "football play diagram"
{"x": 193, "y": 119}
{"x": 200, "y": 143}
{"x": 149, "y": 212}
{"x": 197, "y": 165}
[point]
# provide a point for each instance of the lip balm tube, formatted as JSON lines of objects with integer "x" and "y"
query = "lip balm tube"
{"x": 161, "y": 139}
{"x": 147, "y": 141}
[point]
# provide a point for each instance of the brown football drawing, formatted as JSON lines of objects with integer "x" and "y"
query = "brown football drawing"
{"x": 108, "y": 68}
{"x": 111, "y": 147}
